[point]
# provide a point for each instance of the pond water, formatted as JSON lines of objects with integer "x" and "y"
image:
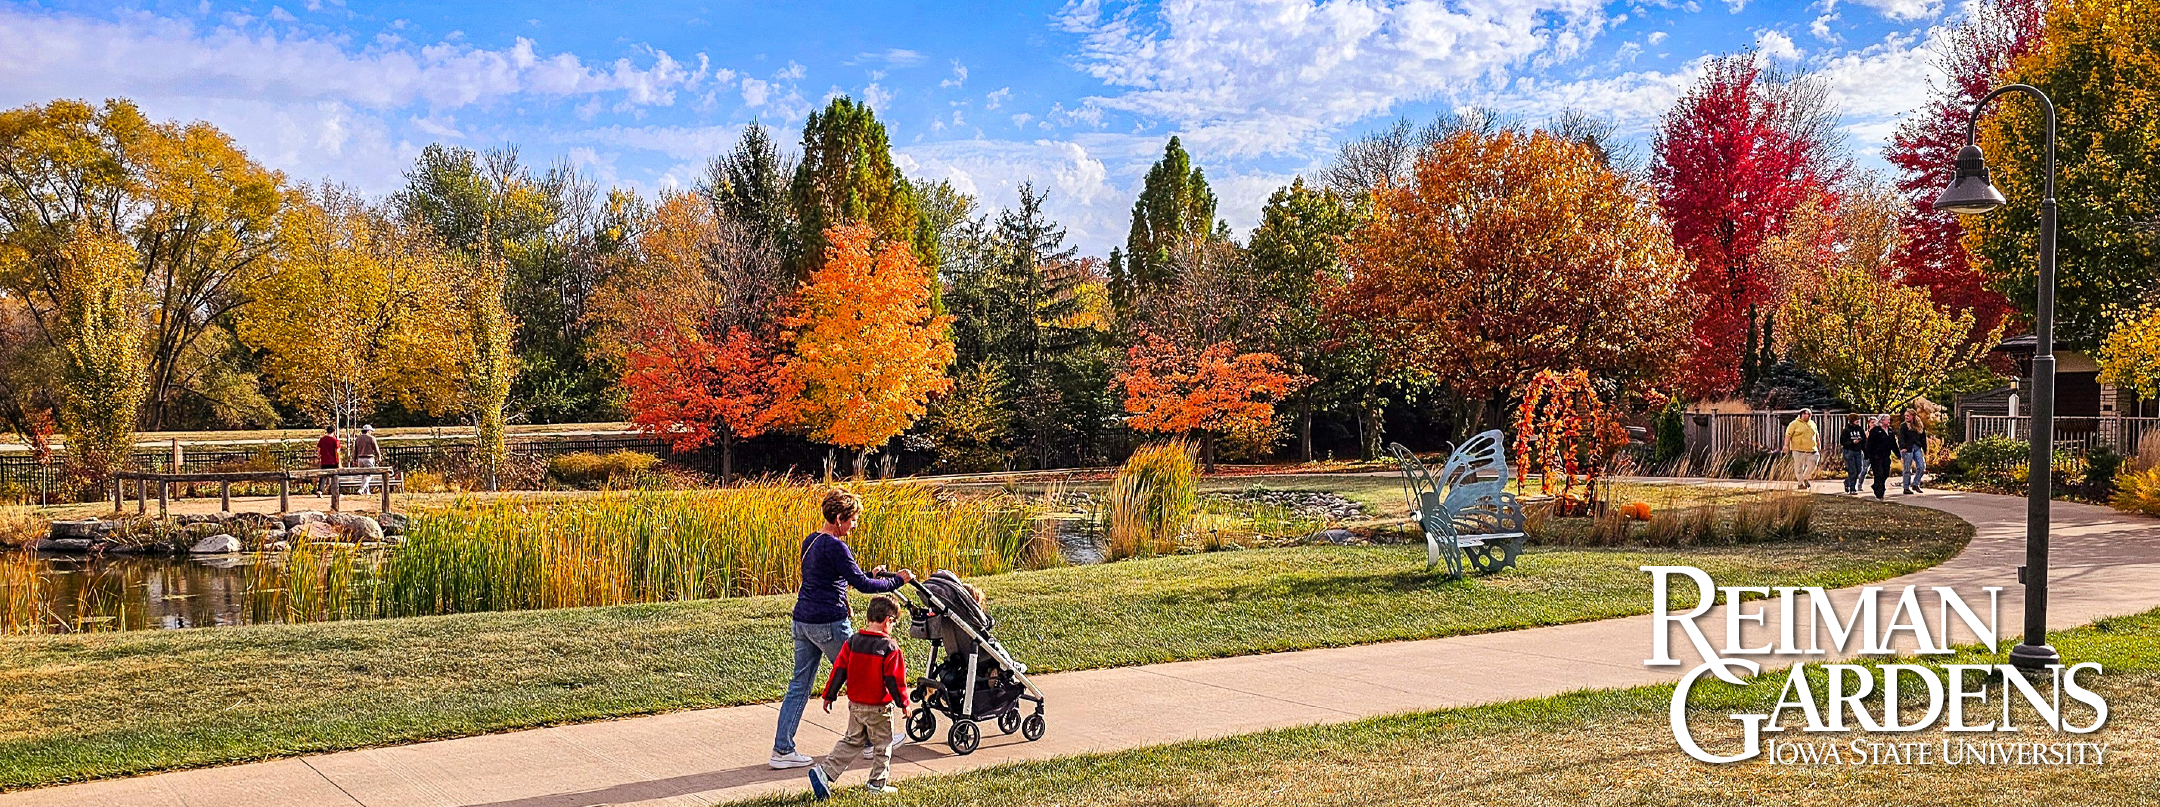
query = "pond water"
{"x": 142, "y": 593}
{"x": 122, "y": 592}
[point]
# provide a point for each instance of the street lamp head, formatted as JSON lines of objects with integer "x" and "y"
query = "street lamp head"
{"x": 1970, "y": 192}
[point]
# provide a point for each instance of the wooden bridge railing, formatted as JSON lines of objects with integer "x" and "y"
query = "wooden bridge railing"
{"x": 224, "y": 480}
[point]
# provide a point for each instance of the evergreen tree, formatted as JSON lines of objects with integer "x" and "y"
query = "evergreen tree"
{"x": 749, "y": 185}
{"x": 1296, "y": 245}
{"x": 847, "y": 176}
{"x": 1175, "y": 208}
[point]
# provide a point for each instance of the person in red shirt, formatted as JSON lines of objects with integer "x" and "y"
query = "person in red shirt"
{"x": 871, "y": 669}
{"x": 326, "y": 457}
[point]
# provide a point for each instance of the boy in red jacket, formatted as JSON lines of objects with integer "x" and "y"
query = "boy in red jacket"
{"x": 875, "y": 675}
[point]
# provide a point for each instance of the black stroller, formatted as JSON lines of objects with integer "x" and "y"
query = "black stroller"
{"x": 973, "y": 678}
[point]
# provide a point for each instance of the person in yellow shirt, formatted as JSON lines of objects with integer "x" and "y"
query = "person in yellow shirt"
{"x": 1800, "y": 439}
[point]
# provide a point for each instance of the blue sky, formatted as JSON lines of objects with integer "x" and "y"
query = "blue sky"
{"x": 1076, "y": 97}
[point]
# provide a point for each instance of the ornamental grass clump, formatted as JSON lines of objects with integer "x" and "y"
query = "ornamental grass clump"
{"x": 1152, "y": 502}
{"x": 2138, "y": 492}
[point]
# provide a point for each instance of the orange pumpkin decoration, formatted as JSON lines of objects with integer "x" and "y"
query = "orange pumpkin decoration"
{"x": 1639, "y": 511}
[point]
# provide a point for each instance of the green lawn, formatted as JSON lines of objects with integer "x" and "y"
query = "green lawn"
{"x": 1611, "y": 747}
{"x": 110, "y": 704}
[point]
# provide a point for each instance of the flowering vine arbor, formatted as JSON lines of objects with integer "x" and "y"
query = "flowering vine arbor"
{"x": 1563, "y": 431}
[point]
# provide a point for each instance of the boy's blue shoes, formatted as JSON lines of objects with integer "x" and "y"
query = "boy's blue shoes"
{"x": 818, "y": 784}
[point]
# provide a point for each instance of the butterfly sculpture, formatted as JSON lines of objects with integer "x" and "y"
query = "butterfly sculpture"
{"x": 1466, "y": 511}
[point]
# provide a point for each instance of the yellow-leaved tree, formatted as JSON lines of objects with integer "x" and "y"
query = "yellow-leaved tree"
{"x": 2131, "y": 355}
{"x": 101, "y": 332}
{"x": 1878, "y": 343}
{"x": 355, "y": 309}
{"x": 869, "y": 351}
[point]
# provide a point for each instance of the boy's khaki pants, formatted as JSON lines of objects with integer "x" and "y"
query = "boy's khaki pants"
{"x": 867, "y": 725}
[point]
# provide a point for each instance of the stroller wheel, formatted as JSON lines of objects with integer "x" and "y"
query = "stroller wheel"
{"x": 1009, "y": 722}
{"x": 1032, "y": 727}
{"x": 922, "y": 724}
{"x": 964, "y": 737}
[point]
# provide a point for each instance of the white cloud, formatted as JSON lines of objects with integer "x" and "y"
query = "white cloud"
{"x": 1905, "y": 10}
{"x": 754, "y": 92}
{"x": 1878, "y": 85}
{"x": 1776, "y": 45}
{"x": 893, "y": 57}
{"x": 997, "y": 97}
{"x": 959, "y": 75}
{"x": 1655, "y": 38}
{"x": 1821, "y": 28}
{"x": 1271, "y": 76}
{"x": 878, "y": 97}
{"x": 140, "y": 55}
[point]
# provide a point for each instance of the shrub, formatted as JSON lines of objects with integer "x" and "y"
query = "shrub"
{"x": 2101, "y": 466}
{"x": 2139, "y": 492}
{"x": 1152, "y": 501}
{"x": 1670, "y": 427}
{"x": 587, "y": 469}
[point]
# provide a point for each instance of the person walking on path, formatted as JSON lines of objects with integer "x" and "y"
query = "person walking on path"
{"x": 1801, "y": 442}
{"x": 874, "y": 674}
{"x": 366, "y": 455}
{"x": 1912, "y": 451}
{"x": 1881, "y": 444}
{"x": 1854, "y": 443}
{"x": 326, "y": 458}
{"x": 821, "y": 613}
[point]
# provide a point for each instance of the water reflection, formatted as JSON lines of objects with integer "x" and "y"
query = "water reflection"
{"x": 136, "y": 593}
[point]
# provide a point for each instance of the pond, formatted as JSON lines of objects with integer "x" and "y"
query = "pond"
{"x": 134, "y": 592}
{"x": 141, "y": 593}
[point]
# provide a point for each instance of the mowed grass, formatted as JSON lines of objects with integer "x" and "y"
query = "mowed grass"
{"x": 1592, "y": 749}
{"x": 87, "y": 706}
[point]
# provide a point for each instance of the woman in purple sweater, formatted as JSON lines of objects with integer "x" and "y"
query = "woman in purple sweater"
{"x": 821, "y": 613}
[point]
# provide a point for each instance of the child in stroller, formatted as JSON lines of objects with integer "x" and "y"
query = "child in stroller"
{"x": 971, "y": 677}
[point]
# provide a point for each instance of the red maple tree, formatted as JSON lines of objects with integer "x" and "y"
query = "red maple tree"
{"x": 693, "y": 391}
{"x": 1733, "y": 158}
{"x": 1929, "y": 253}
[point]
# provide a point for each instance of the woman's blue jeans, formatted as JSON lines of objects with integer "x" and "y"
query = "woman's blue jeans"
{"x": 1915, "y": 462}
{"x": 813, "y": 643}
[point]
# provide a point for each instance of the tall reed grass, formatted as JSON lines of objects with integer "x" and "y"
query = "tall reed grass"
{"x": 1152, "y": 501}
{"x": 638, "y": 547}
{"x": 22, "y": 598}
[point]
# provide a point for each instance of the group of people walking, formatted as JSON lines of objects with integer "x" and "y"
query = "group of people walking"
{"x": 1868, "y": 445}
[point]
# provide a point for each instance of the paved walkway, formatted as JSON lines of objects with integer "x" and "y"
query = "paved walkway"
{"x": 2105, "y": 565}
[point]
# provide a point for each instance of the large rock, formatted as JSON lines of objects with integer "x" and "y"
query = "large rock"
{"x": 357, "y": 527}
{"x": 64, "y": 545}
{"x": 393, "y": 523}
{"x": 219, "y": 544}
{"x": 86, "y": 528}
{"x": 299, "y": 517}
{"x": 315, "y": 532}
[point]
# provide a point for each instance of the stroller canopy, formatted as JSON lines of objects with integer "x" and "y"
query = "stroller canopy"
{"x": 957, "y": 602}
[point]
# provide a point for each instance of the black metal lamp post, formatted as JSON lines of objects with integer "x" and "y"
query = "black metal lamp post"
{"x": 1971, "y": 193}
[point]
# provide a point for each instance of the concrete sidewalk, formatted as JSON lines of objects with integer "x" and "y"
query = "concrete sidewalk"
{"x": 2105, "y": 564}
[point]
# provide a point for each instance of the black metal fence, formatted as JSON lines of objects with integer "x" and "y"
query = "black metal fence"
{"x": 23, "y": 477}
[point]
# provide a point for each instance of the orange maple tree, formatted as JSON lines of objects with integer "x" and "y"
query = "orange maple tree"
{"x": 1213, "y": 392}
{"x": 1508, "y": 254}
{"x": 869, "y": 351}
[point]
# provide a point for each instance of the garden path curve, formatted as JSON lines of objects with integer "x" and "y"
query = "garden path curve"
{"x": 2105, "y": 564}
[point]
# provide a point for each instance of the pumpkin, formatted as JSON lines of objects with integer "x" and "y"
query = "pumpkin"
{"x": 1639, "y": 511}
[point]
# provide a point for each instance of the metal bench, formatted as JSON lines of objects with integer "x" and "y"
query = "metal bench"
{"x": 1463, "y": 513}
